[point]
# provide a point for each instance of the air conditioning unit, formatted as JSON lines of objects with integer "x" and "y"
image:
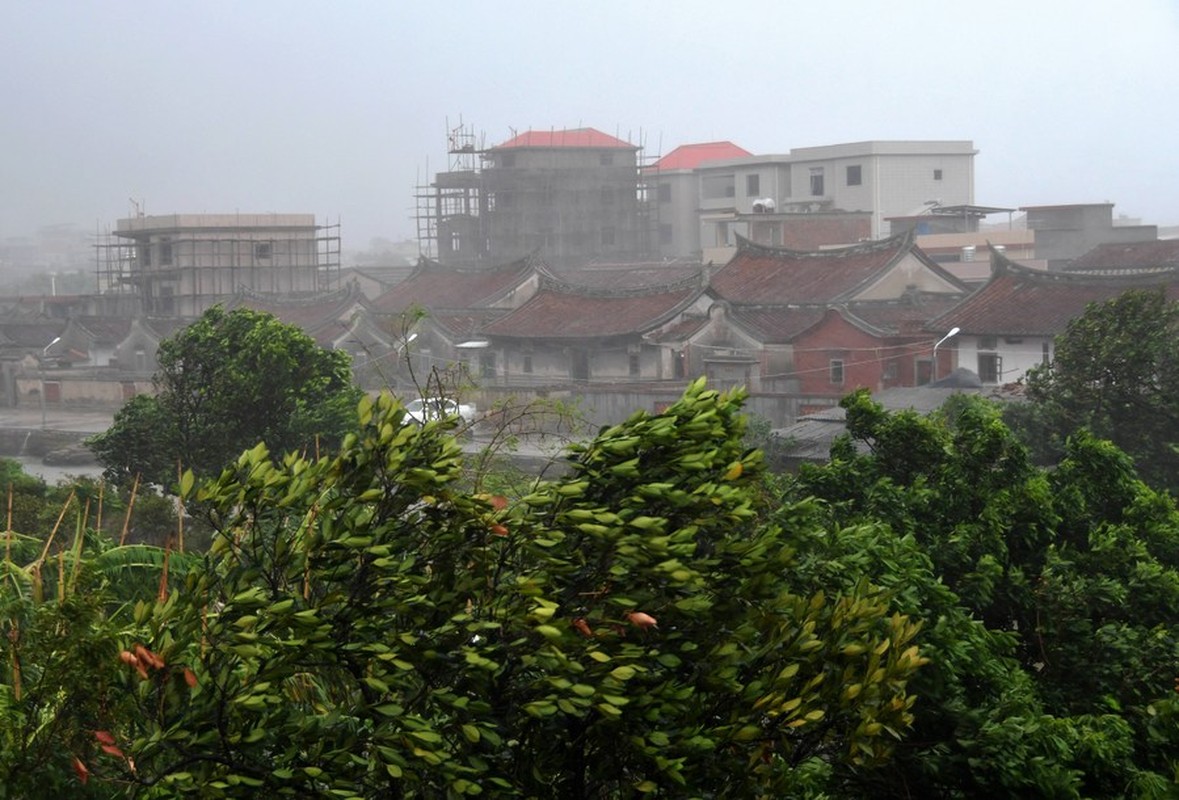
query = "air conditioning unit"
{"x": 764, "y": 205}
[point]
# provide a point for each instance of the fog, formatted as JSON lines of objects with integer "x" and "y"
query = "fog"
{"x": 340, "y": 109}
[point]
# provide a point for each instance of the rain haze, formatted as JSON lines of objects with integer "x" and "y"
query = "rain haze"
{"x": 341, "y": 109}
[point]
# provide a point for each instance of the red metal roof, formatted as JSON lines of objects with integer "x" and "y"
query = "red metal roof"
{"x": 434, "y": 286}
{"x": 1163, "y": 253}
{"x": 1019, "y": 301}
{"x": 562, "y": 314}
{"x": 573, "y": 137}
{"x": 778, "y": 276}
{"x": 690, "y": 156}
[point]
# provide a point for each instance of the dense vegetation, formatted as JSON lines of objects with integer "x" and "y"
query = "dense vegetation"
{"x": 224, "y": 382}
{"x": 932, "y": 613}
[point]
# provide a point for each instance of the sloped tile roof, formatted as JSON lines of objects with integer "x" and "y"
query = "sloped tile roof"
{"x": 780, "y": 276}
{"x": 588, "y": 138}
{"x": 777, "y": 324}
{"x": 630, "y": 276}
{"x": 1161, "y": 254}
{"x": 110, "y": 330}
{"x": 691, "y": 156}
{"x": 313, "y": 314}
{"x": 435, "y": 286}
{"x": 682, "y": 329}
{"x": 1019, "y": 301}
{"x": 462, "y": 324}
{"x": 561, "y": 313}
{"x": 31, "y": 334}
{"x": 902, "y": 317}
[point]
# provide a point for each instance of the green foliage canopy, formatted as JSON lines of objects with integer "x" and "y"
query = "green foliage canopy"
{"x": 1115, "y": 372}
{"x": 226, "y": 381}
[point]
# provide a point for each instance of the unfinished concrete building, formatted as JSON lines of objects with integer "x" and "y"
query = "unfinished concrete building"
{"x": 570, "y": 196}
{"x": 182, "y": 264}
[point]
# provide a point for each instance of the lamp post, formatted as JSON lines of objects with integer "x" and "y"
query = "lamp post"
{"x": 41, "y": 373}
{"x": 953, "y": 332}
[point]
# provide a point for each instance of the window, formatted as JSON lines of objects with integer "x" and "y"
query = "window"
{"x": 836, "y": 371}
{"x": 937, "y": 174}
{"x": 990, "y": 367}
{"x": 715, "y": 187}
{"x": 664, "y": 193}
{"x": 140, "y": 360}
{"x": 1045, "y": 353}
{"x": 722, "y": 234}
{"x": 988, "y": 342}
{"x": 165, "y": 254}
{"x": 633, "y": 364}
{"x": 527, "y": 364}
{"x": 262, "y": 251}
{"x": 145, "y": 255}
{"x": 456, "y": 242}
{"x": 487, "y": 365}
{"x": 665, "y": 233}
{"x": 507, "y": 160}
{"x": 816, "y": 181}
{"x": 752, "y": 185}
{"x": 606, "y": 159}
{"x": 854, "y": 175}
{"x": 608, "y": 237}
{"x": 892, "y": 371}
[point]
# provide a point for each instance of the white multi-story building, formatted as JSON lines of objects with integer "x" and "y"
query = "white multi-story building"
{"x": 879, "y": 178}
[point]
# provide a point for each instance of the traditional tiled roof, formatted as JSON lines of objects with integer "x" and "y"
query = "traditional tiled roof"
{"x": 562, "y": 311}
{"x": 780, "y": 276}
{"x": 681, "y": 329}
{"x": 777, "y": 324}
{"x": 107, "y": 330}
{"x": 464, "y": 324}
{"x": 691, "y": 156}
{"x": 434, "y": 286}
{"x": 1160, "y": 254}
{"x": 31, "y": 334}
{"x": 1019, "y": 301}
{"x": 903, "y": 316}
{"x": 309, "y": 313}
{"x": 630, "y": 276}
{"x": 587, "y": 138}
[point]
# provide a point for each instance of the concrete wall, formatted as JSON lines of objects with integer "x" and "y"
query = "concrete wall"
{"x": 1018, "y": 354}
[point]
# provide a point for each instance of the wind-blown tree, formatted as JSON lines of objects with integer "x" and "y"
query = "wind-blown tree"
{"x": 1048, "y": 598}
{"x": 1116, "y": 373}
{"x": 224, "y": 383}
{"x": 362, "y": 627}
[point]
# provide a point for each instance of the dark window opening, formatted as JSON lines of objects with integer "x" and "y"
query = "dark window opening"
{"x": 854, "y": 175}
{"x": 990, "y": 367}
{"x": 664, "y": 193}
{"x": 937, "y": 174}
{"x": 836, "y": 371}
{"x": 752, "y": 185}
{"x": 817, "y": 182}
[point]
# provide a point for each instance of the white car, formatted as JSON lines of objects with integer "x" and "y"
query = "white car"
{"x": 427, "y": 408}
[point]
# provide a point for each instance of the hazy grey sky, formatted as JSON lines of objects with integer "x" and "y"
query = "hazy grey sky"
{"x": 339, "y": 109}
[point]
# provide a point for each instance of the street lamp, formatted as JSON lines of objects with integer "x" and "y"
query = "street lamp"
{"x": 41, "y": 371}
{"x": 953, "y": 332}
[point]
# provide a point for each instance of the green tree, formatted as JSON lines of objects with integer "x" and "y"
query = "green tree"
{"x": 1046, "y": 597}
{"x": 1116, "y": 373}
{"x": 226, "y": 381}
{"x": 363, "y": 627}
